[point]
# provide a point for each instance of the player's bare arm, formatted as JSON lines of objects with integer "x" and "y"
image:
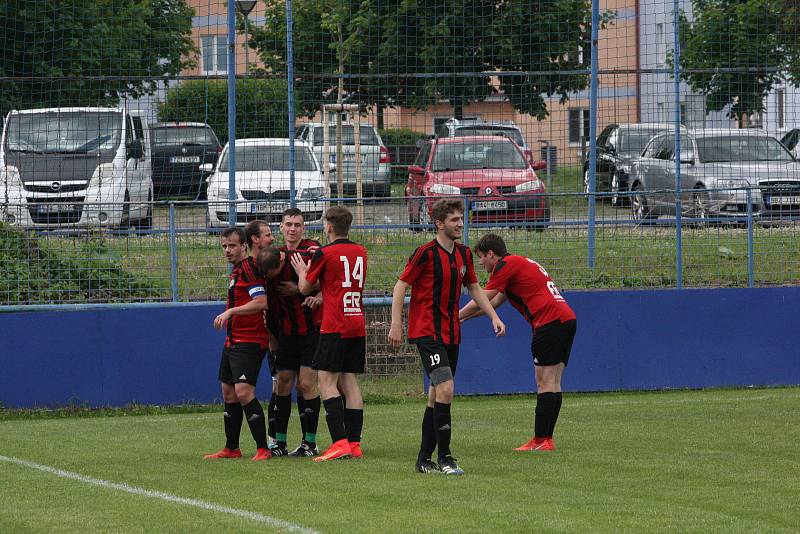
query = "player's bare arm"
{"x": 257, "y": 305}
{"x": 396, "y": 328}
{"x": 471, "y": 309}
{"x": 480, "y": 298}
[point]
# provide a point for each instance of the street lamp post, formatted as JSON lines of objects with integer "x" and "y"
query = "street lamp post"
{"x": 245, "y": 7}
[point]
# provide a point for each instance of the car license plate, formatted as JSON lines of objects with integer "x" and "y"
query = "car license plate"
{"x": 184, "y": 159}
{"x": 783, "y": 200}
{"x": 57, "y": 208}
{"x": 483, "y": 205}
{"x": 268, "y": 207}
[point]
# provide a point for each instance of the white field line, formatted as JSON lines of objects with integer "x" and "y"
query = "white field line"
{"x": 252, "y": 516}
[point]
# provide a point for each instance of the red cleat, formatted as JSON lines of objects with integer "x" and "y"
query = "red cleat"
{"x": 224, "y": 453}
{"x": 538, "y": 444}
{"x": 355, "y": 450}
{"x": 262, "y": 454}
{"x": 340, "y": 449}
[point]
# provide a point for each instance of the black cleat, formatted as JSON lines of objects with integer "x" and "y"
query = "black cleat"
{"x": 305, "y": 449}
{"x": 448, "y": 466}
{"x": 427, "y": 466}
{"x": 278, "y": 450}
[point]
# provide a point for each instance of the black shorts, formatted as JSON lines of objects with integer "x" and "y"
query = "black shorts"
{"x": 552, "y": 342}
{"x": 296, "y": 351}
{"x": 439, "y": 360}
{"x": 241, "y": 363}
{"x": 341, "y": 355}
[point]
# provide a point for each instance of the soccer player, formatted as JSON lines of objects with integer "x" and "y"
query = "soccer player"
{"x": 340, "y": 267}
{"x": 246, "y": 343}
{"x": 435, "y": 272}
{"x": 300, "y": 319}
{"x": 532, "y": 293}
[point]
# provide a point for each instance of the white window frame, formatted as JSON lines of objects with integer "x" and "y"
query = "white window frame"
{"x": 780, "y": 109}
{"x": 215, "y": 38}
{"x": 661, "y": 45}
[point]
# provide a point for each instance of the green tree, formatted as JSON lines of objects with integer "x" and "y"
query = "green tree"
{"x": 91, "y": 52}
{"x": 260, "y": 106}
{"x": 736, "y": 51}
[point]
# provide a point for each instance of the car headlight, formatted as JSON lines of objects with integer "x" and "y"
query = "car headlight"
{"x": 444, "y": 189}
{"x": 9, "y": 177}
{"x": 311, "y": 192}
{"x": 103, "y": 173}
{"x": 533, "y": 185}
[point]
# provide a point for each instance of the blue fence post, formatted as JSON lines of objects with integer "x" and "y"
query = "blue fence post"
{"x": 592, "y": 129}
{"x": 173, "y": 253}
{"x": 750, "y": 271}
{"x": 677, "y": 84}
{"x": 465, "y": 237}
{"x": 290, "y": 98}
{"x": 231, "y": 112}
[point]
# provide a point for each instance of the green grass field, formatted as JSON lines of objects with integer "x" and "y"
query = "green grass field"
{"x": 698, "y": 461}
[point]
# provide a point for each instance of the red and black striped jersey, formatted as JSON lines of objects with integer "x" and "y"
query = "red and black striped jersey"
{"x": 341, "y": 268}
{"x": 295, "y": 319}
{"x": 531, "y": 291}
{"x": 436, "y": 277}
{"x": 246, "y": 283}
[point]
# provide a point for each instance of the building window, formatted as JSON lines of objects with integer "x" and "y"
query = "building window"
{"x": 578, "y": 126}
{"x": 214, "y": 54}
{"x": 661, "y": 48}
{"x": 780, "y": 108}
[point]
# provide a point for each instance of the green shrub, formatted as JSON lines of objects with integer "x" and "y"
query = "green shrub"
{"x": 400, "y": 137}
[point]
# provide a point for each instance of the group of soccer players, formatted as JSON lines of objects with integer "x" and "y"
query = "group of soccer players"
{"x": 313, "y": 298}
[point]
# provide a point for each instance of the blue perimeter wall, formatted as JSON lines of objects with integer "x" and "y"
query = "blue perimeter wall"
{"x": 626, "y": 340}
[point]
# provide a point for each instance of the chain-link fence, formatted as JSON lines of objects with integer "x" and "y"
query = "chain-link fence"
{"x": 623, "y": 144}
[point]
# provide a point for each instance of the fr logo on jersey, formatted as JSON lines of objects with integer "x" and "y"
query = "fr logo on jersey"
{"x": 351, "y": 302}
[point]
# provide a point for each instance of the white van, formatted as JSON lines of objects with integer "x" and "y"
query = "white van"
{"x": 262, "y": 182}
{"x": 75, "y": 167}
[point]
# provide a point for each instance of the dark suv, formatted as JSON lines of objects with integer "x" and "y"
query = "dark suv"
{"x": 178, "y": 151}
{"x": 617, "y": 146}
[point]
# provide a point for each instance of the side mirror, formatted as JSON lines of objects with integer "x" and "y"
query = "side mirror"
{"x": 539, "y": 164}
{"x": 134, "y": 149}
{"x": 207, "y": 167}
{"x": 331, "y": 167}
{"x": 415, "y": 169}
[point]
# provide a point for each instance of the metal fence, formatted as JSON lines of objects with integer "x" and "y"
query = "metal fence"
{"x": 664, "y": 133}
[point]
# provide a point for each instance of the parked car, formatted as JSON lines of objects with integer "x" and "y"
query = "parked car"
{"x": 461, "y": 128}
{"x": 262, "y": 182}
{"x": 791, "y": 141}
{"x": 492, "y": 170}
{"x": 717, "y": 166}
{"x": 179, "y": 149}
{"x": 618, "y": 145}
{"x": 75, "y": 167}
{"x": 375, "y": 159}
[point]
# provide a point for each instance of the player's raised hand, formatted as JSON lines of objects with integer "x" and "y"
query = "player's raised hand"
{"x": 299, "y": 265}
{"x": 499, "y": 327}
{"x": 395, "y": 335}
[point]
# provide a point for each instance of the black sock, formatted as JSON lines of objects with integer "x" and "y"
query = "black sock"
{"x": 353, "y": 422}
{"x": 301, "y": 412}
{"x": 544, "y": 414}
{"x": 428, "y": 444}
{"x": 556, "y": 411}
{"x": 334, "y": 409}
{"x": 255, "y": 419}
{"x": 441, "y": 415}
{"x": 271, "y": 411}
{"x": 233, "y": 424}
{"x": 283, "y": 410}
{"x": 311, "y": 419}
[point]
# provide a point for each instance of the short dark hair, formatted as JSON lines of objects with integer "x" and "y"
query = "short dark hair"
{"x": 445, "y": 206}
{"x": 231, "y": 230}
{"x": 268, "y": 259}
{"x": 293, "y": 212}
{"x": 340, "y": 218}
{"x": 252, "y": 229}
{"x": 491, "y": 242}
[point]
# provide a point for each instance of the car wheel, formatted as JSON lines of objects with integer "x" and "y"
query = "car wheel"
{"x": 700, "y": 207}
{"x": 586, "y": 184}
{"x": 617, "y": 187}
{"x": 640, "y": 211}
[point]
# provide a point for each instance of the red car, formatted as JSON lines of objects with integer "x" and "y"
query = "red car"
{"x": 491, "y": 170}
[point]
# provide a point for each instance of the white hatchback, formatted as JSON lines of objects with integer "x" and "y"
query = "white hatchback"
{"x": 262, "y": 183}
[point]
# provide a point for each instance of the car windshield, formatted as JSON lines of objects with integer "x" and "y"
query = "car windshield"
{"x": 735, "y": 148}
{"x": 269, "y": 158}
{"x": 77, "y": 132}
{"x": 477, "y": 155}
{"x": 512, "y": 133}
{"x": 634, "y": 141}
{"x": 365, "y": 133}
{"x": 183, "y": 135}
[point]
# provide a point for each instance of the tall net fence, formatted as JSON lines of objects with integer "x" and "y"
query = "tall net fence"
{"x": 660, "y": 155}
